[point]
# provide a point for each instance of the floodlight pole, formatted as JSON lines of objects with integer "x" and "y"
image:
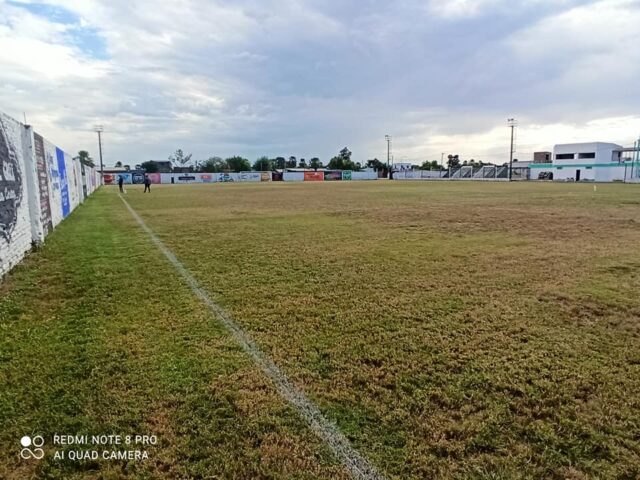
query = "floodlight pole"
{"x": 512, "y": 124}
{"x": 388, "y": 139}
{"x": 99, "y": 129}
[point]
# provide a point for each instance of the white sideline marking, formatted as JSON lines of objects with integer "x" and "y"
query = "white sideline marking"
{"x": 357, "y": 465}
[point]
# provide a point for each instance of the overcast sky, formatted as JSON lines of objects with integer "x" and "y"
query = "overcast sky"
{"x": 306, "y": 78}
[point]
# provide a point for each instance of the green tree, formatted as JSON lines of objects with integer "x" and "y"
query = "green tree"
{"x": 179, "y": 158}
{"x": 238, "y": 164}
{"x": 84, "y": 157}
{"x": 315, "y": 163}
{"x": 263, "y": 164}
{"x": 212, "y": 165}
{"x": 343, "y": 161}
{"x": 280, "y": 162}
{"x": 149, "y": 166}
{"x": 292, "y": 162}
{"x": 453, "y": 161}
{"x": 302, "y": 163}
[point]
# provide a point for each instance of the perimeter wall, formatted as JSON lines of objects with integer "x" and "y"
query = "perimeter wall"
{"x": 40, "y": 185}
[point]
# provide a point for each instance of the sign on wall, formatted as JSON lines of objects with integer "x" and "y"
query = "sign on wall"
{"x": 43, "y": 183}
{"x": 64, "y": 183}
{"x": 10, "y": 183}
{"x": 329, "y": 176}
{"x": 313, "y": 176}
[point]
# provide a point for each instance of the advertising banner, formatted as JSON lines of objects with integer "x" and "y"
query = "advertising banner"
{"x": 313, "y": 176}
{"x": 206, "y": 178}
{"x": 346, "y": 175}
{"x": 225, "y": 177}
{"x": 332, "y": 176}
{"x": 64, "y": 183}
{"x": 249, "y": 177}
{"x": 154, "y": 177}
{"x": 110, "y": 179}
{"x": 43, "y": 183}
{"x": 137, "y": 178}
{"x": 265, "y": 177}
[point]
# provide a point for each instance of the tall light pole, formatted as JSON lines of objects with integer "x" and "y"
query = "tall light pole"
{"x": 512, "y": 124}
{"x": 388, "y": 139}
{"x": 99, "y": 129}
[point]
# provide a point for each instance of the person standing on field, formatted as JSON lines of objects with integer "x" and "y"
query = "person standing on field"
{"x": 121, "y": 183}
{"x": 147, "y": 184}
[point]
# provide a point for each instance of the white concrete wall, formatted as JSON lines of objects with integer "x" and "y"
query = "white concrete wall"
{"x": 364, "y": 175}
{"x": 293, "y": 176}
{"x": 39, "y": 186}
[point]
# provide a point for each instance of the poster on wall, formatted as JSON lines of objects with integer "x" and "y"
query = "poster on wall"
{"x": 84, "y": 181}
{"x": 346, "y": 175}
{"x": 109, "y": 179}
{"x": 10, "y": 181}
{"x": 313, "y": 176}
{"x": 265, "y": 177}
{"x": 249, "y": 176}
{"x": 329, "y": 176}
{"x": 43, "y": 183}
{"x": 207, "y": 178}
{"x": 153, "y": 177}
{"x": 64, "y": 183}
{"x": 137, "y": 178}
{"x": 225, "y": 177}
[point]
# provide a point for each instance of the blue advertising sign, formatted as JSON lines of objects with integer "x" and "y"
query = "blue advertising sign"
{"x": 64, "y": 183}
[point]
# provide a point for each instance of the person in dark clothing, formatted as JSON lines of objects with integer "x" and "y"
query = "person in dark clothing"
{"x": 147, "y": 184}
{"x": 121, "y": 183}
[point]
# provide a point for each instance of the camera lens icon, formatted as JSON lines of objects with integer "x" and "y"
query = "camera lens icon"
{"x": 27, "y": 452}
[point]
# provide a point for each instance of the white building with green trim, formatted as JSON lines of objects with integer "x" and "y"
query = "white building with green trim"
{"x": 590, "y": 162}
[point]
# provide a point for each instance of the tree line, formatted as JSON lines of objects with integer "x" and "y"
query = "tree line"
{"x": 342, "y": 161}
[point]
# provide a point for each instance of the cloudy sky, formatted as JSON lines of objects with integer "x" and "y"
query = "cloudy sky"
{"x": 306, "y": 78}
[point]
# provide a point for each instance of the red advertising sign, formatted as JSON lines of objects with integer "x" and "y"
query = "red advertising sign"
{"x": 313, "y": 176}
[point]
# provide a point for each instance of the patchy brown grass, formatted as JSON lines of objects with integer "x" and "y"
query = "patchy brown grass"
{"x": 452, "y": 330}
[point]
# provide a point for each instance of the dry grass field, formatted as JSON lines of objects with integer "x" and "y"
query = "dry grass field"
{"x": 450, "y": 329}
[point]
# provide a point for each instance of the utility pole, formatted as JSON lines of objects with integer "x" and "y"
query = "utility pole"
{"x": 388, "y": 139}
{"x": 512, "y": 124}
{"x": 99, "y": 129}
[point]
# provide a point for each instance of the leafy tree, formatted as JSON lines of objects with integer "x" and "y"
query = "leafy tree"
{"x": 180, "y": 158}
{"x": 315, "y": 163}
{"x": 238, "y": 164}
{"x": 119, "y": 164}
{"x": 84, "y": 157}
{"x": 377, "y": 165}
{"x": 453, "y": 161}
{"x": 212, "y": 165}
{"x": 430, "y": 165}
{"x": 263, "y": 164}
{"x": 150, "y": 166}
{"x": 280, "y": 162}
{"x": 292, "y": 162}
{"x": 343, "y": 161}
{"x": 302, "y": 163}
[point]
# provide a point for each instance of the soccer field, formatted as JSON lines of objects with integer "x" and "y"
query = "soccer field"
{"x": 448, "y": 329}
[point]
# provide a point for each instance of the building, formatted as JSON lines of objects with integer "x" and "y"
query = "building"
{"x": 542, "y": 157}
{"x": 588, "y": 162}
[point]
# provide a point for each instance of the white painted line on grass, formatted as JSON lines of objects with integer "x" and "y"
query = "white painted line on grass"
{"x": 358, "y": 466}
